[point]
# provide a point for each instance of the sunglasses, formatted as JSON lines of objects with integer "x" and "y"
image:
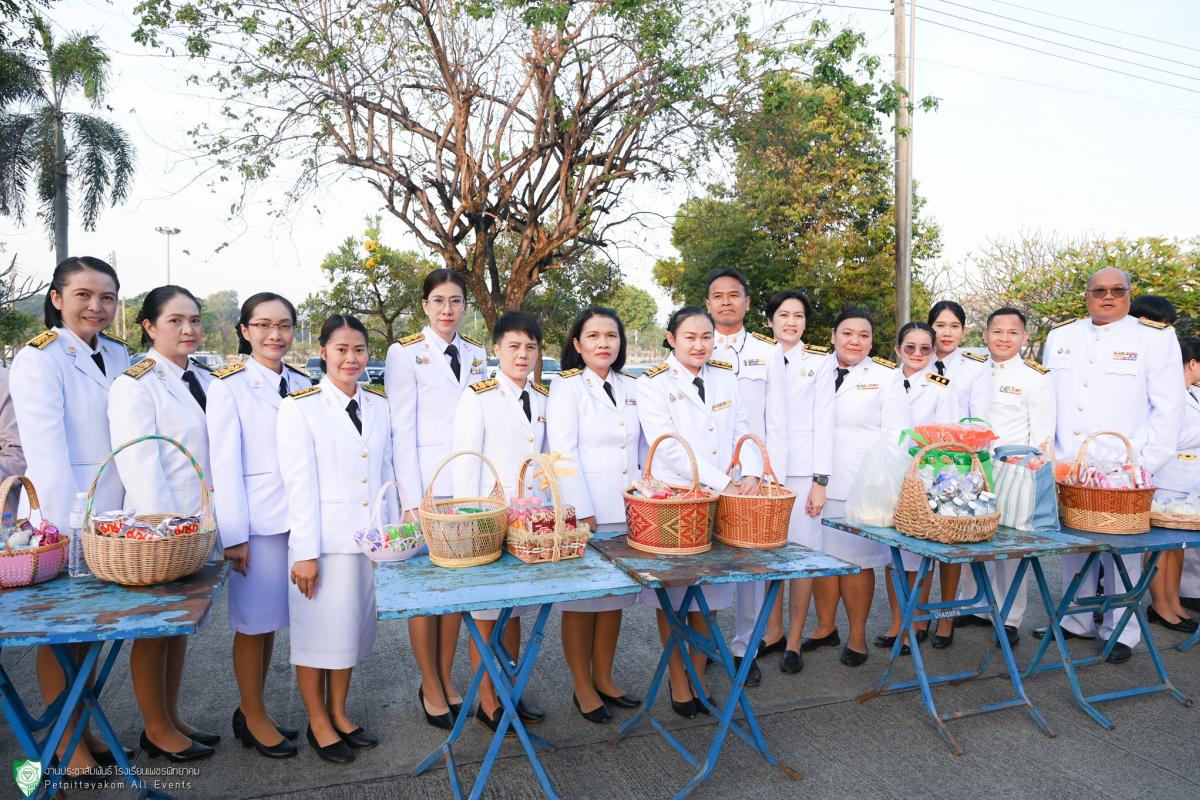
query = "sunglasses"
{"x": 912, "y": 349}
{"x": 1103, "y": 291}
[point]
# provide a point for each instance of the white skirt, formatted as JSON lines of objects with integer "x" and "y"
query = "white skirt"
{"x": 718, "y": 596}
{"x": 336, "y": 628}
{"x": 858, "y": 550}
{"x": 599, "y": 604}
{"x": 804, "y": 530}
{"x": 258, "y": 602}
{"x": 493, "y": 614}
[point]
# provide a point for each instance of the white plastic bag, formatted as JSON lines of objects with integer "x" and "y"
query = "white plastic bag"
{"x": 876, "y": 489}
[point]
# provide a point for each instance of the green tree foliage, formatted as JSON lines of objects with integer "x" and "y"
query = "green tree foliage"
{"x": 561, "y": 295}
{"x": 636, "y": 307}
{"x": 219, "y": 313}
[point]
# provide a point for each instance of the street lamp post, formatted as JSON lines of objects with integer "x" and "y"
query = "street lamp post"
{"x": 168, "y": 231}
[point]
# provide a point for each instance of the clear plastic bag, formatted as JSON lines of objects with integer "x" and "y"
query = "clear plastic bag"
{"x": 873, "y": 497}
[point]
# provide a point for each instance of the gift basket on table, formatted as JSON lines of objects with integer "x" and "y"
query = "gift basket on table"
{"x": 390, "y": 541}
{"x": 536, "y": 532}
{"x": 32, "y": 554}
{"x": 973, "y": 434}
{"x": 1181, "y": 513}
{"x": 146, "y": 549}
{"x": 944, "y": 505}
{"x": 666, "y": 519}
{"x": 465, "y": 531}
{"x": 758, "y": 521}
{"x": 1108, "y": 497}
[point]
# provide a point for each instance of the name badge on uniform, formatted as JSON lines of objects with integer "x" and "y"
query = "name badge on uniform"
{"x": 1188, "y": 457}
{"x": 630, "y": 402}
{"x": 1124, "y": 355}
{"x": 753, "y": 362}
{"x": 722, "y": 405}
{"x": 1063, "y": 351}
{"x": 422, "y": 359}
{"x": 866, "y": 386}
{"x": 1010, "y": 390}
{"x": 541, "y": 419}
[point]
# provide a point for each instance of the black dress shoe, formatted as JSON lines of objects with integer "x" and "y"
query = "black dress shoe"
{"x": 239, "y": 722}
{"x": 598, "y": 715}
{"x": 194, "y": 752}
{"x": 1190, "y": 603}
{"x": 622, "y": 701}
{"x": 444, "y": 721}
{"x": 687, "y": 709}
{"x": 754, "y": 675}
{"x": 530, "y": 715}
{"x": 284, "y": 749}
{"x": 287, "y": 731}
{"x": 1183, "y": 626}
{"x": 1040, "y": 633}
{"x": 832, "y": 640}
{"x": 777, "y": 646}
{"x": 791, "y": 663}
{"x": 493, "y": 722}
{"x": 1013, "y": 636}
{"x": 337, "y": 753}
{"x": 105, "y": 758}
{"x": 972, "y": 621}
{"x": 852, "y": 658}
{"x": 943, "y": 642}
{"x": 358, "y": 738}
{"x": 886, "y": 642}
{"x": 456, "y": 709}
{"x": 204, "y": 737}
{"x": 706, "y": 710}
{"x": 1120, "y": 654}
{"x": 922, "y": 635}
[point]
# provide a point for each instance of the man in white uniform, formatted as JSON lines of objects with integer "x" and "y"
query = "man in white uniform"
{"x": 758, "y": 363}
{"x": 1113, "y": 372}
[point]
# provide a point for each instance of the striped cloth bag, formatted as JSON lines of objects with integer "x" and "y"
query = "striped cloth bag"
{"x": 1025, "y": 496}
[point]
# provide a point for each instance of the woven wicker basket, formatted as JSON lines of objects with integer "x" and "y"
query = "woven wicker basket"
{"x": 144, "y": 563}
{"x": 758, "y": 522}
{"x": 1115, "y": 511}
{"x": 29, "y": 565}
{"x": 564, "y": 543}
{"x": 1183, "y": 522}
{"x": 914, "y": 517}
{"x": 402, "y": 549}
{"x": 465, "y": 540}
{"x": 673, "y": 526}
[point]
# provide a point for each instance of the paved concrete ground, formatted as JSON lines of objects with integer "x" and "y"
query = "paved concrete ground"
{"x": 883, "y": 749}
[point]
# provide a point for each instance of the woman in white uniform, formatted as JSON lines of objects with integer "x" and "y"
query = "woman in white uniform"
{"x": 931, "y": 399}
{"x": 697, "y": 399}
{"x": 806, "y": 464}
{"x": 59, "y": 385}
{"x": 426, "y": 374}
{"x": 969, "y": 373}
{"x": 251, "y": 505}
{"x": 335, "y": 452}
{"x": 1177, "y": 480}
{"x": 165, "y": 393}
{"x": 592, "y": 421}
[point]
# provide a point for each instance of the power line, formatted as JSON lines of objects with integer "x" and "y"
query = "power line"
{"x": 1096, "y": 25}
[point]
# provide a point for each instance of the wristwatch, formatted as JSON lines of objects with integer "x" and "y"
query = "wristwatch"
{"x": 821, "y": 480}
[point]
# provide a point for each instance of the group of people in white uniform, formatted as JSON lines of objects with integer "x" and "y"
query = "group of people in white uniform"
{"x": 294, "y": 468}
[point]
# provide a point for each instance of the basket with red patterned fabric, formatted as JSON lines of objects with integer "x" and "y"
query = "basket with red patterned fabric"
{"x": 683, "y": 524}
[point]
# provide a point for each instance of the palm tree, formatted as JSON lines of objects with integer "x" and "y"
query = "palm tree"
{"x": 34, "y": 142}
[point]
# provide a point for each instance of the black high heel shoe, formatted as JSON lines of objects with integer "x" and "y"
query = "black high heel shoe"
{"x": 493, "y": 722}
{"x": 337, "y": 753}
{"x": 105, "y": 758}
{"x": 194, "y": 752}
{"x": 943, "y": 642}
{"x": 284, "y": 749}
{"x": 358, "y": 738}
{"x": 886, "y": 642}
{"x": 239, "y": 723}
{"x": 706, "y": 710}
{"x": 204, "y": 737}
{"x": 444, "y": 721}
{"x": 852, "y": 658}
{"x": 686, "y": 709}
{"x": 624, "y": 701}
{"x": 599, "y": 715}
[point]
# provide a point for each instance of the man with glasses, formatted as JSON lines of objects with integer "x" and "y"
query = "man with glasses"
{"x": 1114, "y": 372}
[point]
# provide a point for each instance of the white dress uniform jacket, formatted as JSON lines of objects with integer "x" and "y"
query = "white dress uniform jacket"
{"x": 808, "y": 393}
{"x": 60, "y": 398}
{"x": 151, "y": 398}
{"x": 931, "y": 397}
{"x": 757, "y": 361}
{"x": 1023, "y": 406}
{"x": 423, "y": 395}
{"x": 1182, "y": 477}
{"x": 248, "y": 491}
{"x": 491, "y": 420}
{"x": 972, "y": 383}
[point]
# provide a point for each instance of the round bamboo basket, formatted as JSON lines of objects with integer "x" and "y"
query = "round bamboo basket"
{"x": 1182, "y": 522}
{"x": 29, "y": 565}
{"x": 406, "y": 547}
{"x": 564, "y": 543}
{"x": 1113, "y": 511}
{"x": 465, "y": 540}
{"x": 914, "y": 517}
{"x": 674, "y": 526}
{"x": 757, "y": 522}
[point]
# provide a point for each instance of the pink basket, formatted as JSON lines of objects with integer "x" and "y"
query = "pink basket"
{"x": 35, "y": 565}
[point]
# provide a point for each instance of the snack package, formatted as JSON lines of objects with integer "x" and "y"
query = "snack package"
{"x": 139, "y": 531}
{"x": 951, "y": 494}
{"x": 111, "y": 523}
{"x": 178, "y": 526}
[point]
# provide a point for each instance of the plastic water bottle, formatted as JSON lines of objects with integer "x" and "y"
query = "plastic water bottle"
{"x": 76, "y": 564}
{"x": 8, "y": 526}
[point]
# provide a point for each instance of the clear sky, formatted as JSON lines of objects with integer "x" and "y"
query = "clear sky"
{"x": 1023, "y": 141}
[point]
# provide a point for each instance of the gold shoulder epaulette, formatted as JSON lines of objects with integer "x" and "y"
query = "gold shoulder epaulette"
{"x": 43, "y": 339}
{"x": 307, "y": 391}
{"x": 1153, "y": 323}
{"x": 628, "y": 374}
{"x": 976, "y": 357}
{"x": 375, "y": 388}
{"x": 940, "y": 380}
{"x": 816, "y": 349}
{"x": 1064, "y": 322}
{"x": 570, "y": 373}
{"x": 141, "y": 368}
{"x": 661, "y": 368}
{"x": 298, "y": 371}
{"x": 485, "y": 386}
{"x": 226, "y": 371}
{"x": 1029, "y": 362}
{"x": 416, "y": 337}
{"x": 720, "y": 364}
{"x": 883, "y": 362}
{"x": 469, "y": 340}
{"x": 540, "y": 389}
{"x": 763, "y": 337}
{"x": 116, "y": 339}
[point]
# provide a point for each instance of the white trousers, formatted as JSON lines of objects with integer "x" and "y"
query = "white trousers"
{"x": 1189, "y": 582}
{"x": 1002, "y": 574}
{"x": 1083, "y": 624}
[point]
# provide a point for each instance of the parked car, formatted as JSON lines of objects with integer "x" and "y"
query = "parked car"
{"x": 550, "y": 369}
{"x": 374, "y": 371}
{"x": 313, "y": 368}
{"x": 637, "y": 370}
{"x": 209, "y": 359}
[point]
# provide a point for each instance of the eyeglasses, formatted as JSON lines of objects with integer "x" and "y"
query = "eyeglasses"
{"x": 1100, "y": 292}
{"x": 455, "y": 303}
{"x": 267, "y": 327}
{"x": 910, "y": 349}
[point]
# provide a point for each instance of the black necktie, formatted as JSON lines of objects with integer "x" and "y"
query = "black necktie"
{"x": 283, "y": 392}
{"x": 785, "y": 361}
{"x": 906, "y": 384}
{"x": 352, "y": 410}
{"x": 841, "y": 376}
{"x": 608, "y": 390}
{"x": 698, "y": 382}
{"x": 452, "y": 351}
{"x": 941, "y": 366}
{"x": 99, "y": 359}
{"x": 193, "y": 384}
{"x": 525, "y": 404}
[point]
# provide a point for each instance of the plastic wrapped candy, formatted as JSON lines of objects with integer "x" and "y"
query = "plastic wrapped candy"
{"x": 178, "y": 526}
{"x": 951, "y": 494}
{"x": 139, "y": 531}
{"x": 20, "y": 538}
{"x": 110, "y": 523}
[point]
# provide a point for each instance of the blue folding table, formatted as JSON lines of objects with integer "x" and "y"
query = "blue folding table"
{"x": 87, "y": 611}
{"x": 722, "y": 564}
{"x": 1152, "y": 544}
{"x": 418, "y": 588}
{"x": 1029, "y": 547}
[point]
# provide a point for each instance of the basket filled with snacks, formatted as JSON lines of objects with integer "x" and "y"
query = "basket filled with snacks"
{"x": 757, "y": 521}
{"x": 389, "y": 541}
{"x": 537, "y": 532}
{"x": 146, "y": 549}
{"x": 465, "y": 531}
{"x": 1106, "y": 497}
{"x": 1180, "y": 512}
{"x": 32, "y": 553}
{"x": 944, "y": 505}
{"x": 667, "y": 519}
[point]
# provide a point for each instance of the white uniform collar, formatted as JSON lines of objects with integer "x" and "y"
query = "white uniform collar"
{"x": 588, "y": 372}
{"x": 954, "y": 357}
{"x": 1006, "y": 363}
{"x": 512, "y": 385}
{"x": 440, "y": 344}
{"x": 267, "y": 376}
{"x": 1101, "y": 329}
{"x": 69, "y": 334}
{"x": 170, "y": 367}
{"x": 340, "y": 398}
{"x": 734, "y": 340}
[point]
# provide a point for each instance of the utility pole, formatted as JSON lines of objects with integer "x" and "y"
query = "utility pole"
{"x": 903, "y": 69}
{"x": 168, "y": 231}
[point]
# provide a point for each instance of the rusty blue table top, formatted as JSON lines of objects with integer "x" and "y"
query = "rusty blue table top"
{"x": 721, "y": 564}
{"x": 1007, "y": 544}
{"x": 70, "y": 610}
{"x": 1157, "y": 539}
{"x": 417, "y": 587}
